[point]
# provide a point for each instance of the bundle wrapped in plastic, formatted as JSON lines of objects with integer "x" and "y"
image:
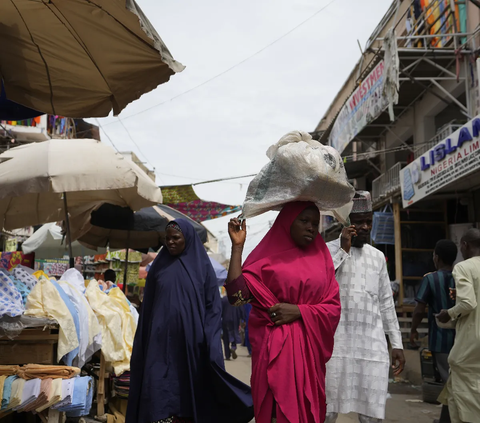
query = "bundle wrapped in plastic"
{"x": 301, "y": 169}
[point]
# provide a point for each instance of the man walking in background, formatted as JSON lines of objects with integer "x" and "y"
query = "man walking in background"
{"x": 462, "y": 391}
{"x": 357, "y": 374}
{"x": 435, "y": 292}
{"x": 231, "y": 318}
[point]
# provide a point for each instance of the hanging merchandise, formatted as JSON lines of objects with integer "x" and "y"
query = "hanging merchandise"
{"x": 52, "y": 267}
{"x": 301, "y": 169}
{"x": 10, "y": 260}
{"x": 383, "y": 228}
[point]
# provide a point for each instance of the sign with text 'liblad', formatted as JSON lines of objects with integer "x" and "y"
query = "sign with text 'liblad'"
{"x": 451, "y": 159}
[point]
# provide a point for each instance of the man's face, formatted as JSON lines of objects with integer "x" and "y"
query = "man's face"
{"x": 363, "y": 225}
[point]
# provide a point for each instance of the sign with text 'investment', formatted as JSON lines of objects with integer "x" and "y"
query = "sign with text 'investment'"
{"x": 448, "y": 161}
{"x": 365, "y": 104}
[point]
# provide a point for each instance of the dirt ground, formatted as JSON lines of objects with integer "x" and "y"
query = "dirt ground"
{"x": 404, "y": 406}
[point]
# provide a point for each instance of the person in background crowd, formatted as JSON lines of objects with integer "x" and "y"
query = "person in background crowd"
{"x": 462, "y": 391}
{"x": 290, "y": 281}
{"x": 110, "y": 276}
{"x": 177, "y": 368}
{"x": 435, "y": 292}
{"x": 231, "y": 319}
{"x": 357, "y": 374}
{"x": 247, "y": 308}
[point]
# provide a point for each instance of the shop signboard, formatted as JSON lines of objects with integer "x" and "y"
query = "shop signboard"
{"x": 451, "y": 159}
{"x": 365, "y": 104}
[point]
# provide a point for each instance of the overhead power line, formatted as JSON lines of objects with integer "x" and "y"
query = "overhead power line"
{"x": 231, "y": 67}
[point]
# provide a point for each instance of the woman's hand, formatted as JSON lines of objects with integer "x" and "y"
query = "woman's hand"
{"x": 283, "y": 313}
{"x": 237, "y": 231}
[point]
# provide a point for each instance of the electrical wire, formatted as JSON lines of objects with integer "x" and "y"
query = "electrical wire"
{"x": 231, "y": 67}
{"x": 136, "y": 145}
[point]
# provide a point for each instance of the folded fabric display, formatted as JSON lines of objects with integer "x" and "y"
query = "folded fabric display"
{"x": 2, "y": 383}
{"x": 42, "y": 399}
{"x": 117, "y": 323}
{"x": 11, "y": 303}
{"x": 7, "y": 391}
{"x": 9, "y": 370}
{"x": 25, "y": 274}
{"x": 90, "y": 339}
{"x": 31, "y": 391}
{"x": 82, "y": 398}
{"x": 54, "y": 396}
{"x": 22, "y": 289}
{"x": 45, "y": 301}
{"x": 68, "y": 358}
{"x": 121, "y": 385}
{"x": 67, "y": 394}
{"x": 39, "y": 371}
{"x": 16, "y": 394}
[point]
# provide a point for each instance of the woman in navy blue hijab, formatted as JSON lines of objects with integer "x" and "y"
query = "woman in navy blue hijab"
{"x": 177, "y": 368}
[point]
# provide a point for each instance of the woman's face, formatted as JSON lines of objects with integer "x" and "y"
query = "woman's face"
{"x": 304, "y": 228}
{"x": 175, "y": 242}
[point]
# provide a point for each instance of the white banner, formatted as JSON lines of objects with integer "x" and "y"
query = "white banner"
{"x": 448, "y": 161}
{"x": 365, "y": 104}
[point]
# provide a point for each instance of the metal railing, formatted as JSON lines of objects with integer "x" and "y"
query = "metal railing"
{"x": 443, "y": 133}
{"x": 387, "y": 184}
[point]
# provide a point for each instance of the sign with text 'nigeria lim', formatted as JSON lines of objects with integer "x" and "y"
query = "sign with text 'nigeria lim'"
{"x": 448, "y": 161}
{"x": 365, "y": 104}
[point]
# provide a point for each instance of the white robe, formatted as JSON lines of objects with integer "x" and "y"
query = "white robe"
{"x": 357, "y": 374}
{"x": 462, "y": 391}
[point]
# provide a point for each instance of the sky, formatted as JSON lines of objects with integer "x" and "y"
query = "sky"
{"x": 224, "y": 127}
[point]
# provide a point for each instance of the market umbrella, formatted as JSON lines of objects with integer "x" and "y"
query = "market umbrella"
{"x": 10, "y": 110}
{"x": 48, "y": 242}
{"x": 80, "y": 58}
{"x": 120, "y": 227}
{"x": 40, "y": 182}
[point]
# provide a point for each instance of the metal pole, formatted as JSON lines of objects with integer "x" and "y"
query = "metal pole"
{"x": 69, "y": 237}
{"x": 126, "y": 264}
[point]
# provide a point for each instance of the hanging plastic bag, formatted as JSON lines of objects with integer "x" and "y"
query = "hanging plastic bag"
{"x": 301, "y": 169}
{"x": 383, "y": 227}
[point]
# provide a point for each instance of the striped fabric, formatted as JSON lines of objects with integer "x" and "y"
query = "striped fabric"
{"x": 434, "y": 291}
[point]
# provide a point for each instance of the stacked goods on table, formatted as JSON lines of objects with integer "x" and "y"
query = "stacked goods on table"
{"x": 301, "y": 169}
{"x": 121, "y": 385}
{"x": 88, "y": 317}
{"x": 35, "y": 388}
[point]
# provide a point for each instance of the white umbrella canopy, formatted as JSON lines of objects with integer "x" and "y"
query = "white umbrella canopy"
{"x": 80, "y": 58}
{"x": 34, "y": 178}
{"x": 48, "y": 242}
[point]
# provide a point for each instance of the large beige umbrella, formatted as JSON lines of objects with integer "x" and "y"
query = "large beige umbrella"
{"x": 39, "y": 182}
{"x": 80, "y": 58}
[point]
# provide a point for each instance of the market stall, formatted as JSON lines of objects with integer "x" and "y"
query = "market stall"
{"x": 75, "y": 328}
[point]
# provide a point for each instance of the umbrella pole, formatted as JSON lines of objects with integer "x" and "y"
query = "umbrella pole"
{"x": 126, "y": 264}
{"x": 69, "y": 238}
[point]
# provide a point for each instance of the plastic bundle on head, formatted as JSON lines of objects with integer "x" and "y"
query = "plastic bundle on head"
{"x": 301, "y": 169}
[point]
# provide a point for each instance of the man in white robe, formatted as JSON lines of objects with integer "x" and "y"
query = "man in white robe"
{"x": 462, "y": 391}
{"x": 357, "y": 374}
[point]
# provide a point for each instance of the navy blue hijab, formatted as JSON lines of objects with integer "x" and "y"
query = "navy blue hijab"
{"x": 177, "y": 366}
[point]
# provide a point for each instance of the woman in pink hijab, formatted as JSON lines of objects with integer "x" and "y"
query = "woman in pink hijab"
{"x": 290, "y": 281}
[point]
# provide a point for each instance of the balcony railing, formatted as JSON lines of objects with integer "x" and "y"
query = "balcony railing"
{"x": 443, "y": 133}
{"x": 387, "y": 184}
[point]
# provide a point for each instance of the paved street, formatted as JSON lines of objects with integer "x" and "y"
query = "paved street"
{"x": 402, "y": 407}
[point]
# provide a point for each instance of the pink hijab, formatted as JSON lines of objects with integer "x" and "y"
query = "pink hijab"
{"x": 289, "y": 360}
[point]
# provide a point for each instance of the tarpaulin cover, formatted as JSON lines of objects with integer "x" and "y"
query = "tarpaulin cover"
{"x": 184, "y": 199}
